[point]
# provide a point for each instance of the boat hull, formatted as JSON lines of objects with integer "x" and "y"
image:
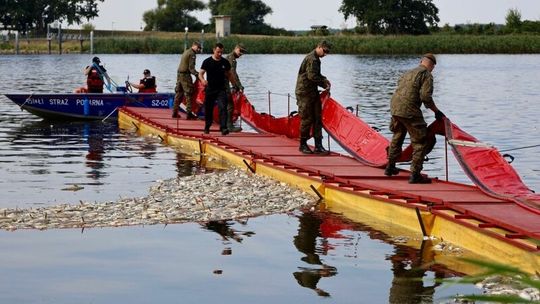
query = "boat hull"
{"x": 87, "y": 106}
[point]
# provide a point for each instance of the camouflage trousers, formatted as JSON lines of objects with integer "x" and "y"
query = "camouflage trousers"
{"x": 310, "y": 111}
{"x": 421, "y": 142}
{"x": 184, "y": 86}
{"x": 230, "y": 107}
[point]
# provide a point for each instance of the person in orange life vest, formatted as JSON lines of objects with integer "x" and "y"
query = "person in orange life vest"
{"x": 95, "y": 73}
{"x": 146, "y": 84}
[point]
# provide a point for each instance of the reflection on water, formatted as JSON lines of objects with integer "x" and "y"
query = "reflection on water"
{"x": 410, "y": 266}
{"x": 305, "y": 241}
{"x": 316, "y": 239}
{"x": 49, "y": 156}
{"x": 227, "y": 232}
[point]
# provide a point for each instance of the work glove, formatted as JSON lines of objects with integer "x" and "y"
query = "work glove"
{"x": 439, "y": 115}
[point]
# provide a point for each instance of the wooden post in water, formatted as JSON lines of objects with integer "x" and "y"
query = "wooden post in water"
{"x": 17, "y": 43}
{"x": 49, "y": 38}
{"x": 91, "y": 42}
{"x": 202, "y": 41}
{"x": 81, "y": 40}
{"x": 49, "y": 41}
{"x": 59, "y": 38}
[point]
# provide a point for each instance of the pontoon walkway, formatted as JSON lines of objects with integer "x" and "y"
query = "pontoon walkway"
{"x": 461, "y": 214}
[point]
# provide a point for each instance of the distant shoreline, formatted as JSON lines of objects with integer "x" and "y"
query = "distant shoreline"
{"x": 342, "y": 44}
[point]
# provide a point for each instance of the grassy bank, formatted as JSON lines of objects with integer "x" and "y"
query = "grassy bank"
{"x": 174, "y": 43}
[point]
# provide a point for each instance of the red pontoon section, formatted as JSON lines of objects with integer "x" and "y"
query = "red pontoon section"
{"x": 487, "y": 168}
{"x": 353, "y": 134}
{"x": 288, "y": 126}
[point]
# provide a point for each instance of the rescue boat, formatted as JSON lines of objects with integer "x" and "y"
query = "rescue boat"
{"x": 98, "y": 106}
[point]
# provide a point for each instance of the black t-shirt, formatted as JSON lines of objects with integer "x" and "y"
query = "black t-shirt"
{"x": 215, "y": 72}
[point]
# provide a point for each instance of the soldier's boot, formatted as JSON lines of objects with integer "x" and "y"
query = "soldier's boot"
{"x": 190, "y": 115}
{"x": 304, "y": 148}
{"x": 230, "y": 126}
{"x": 319, "y": 148}
{"x": 391, "y": 169}
{"x": 417, "y": 178}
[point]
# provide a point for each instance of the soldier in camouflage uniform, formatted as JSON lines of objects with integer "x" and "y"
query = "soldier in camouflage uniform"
{"x": 308, "y": 99}
{"x": 238, "y": 51}
{"x": 415, "y": 88}
{"x": 184, "y": 82}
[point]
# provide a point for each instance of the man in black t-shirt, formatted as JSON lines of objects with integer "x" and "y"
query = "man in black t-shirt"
{"x": 218, "y": 70}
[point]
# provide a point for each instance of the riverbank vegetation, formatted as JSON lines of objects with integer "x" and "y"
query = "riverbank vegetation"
{"x": 173, "y": 43}
{"x": 407, "y": 30}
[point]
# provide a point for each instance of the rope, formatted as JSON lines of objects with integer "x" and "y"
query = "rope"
{"x": 519, "y": 148}
{"x": 103, "y": 120}
{"x": 27, "y": 99}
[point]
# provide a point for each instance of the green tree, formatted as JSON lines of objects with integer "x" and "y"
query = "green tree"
{"x": 392, "y": 16}
{"x": 173, "y": 16}
{"x": 513, "y": 20}
{"x": 25, "y": 15}
{"x": 247, "y": 16}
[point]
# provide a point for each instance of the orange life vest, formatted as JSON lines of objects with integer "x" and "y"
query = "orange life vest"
{"x": 94, "y": 81}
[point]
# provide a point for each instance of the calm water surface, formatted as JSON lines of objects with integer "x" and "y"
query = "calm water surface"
{"x": 303, "y": 257}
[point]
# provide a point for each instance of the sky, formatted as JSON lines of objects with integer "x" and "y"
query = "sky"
{"x": 301, "y": 14}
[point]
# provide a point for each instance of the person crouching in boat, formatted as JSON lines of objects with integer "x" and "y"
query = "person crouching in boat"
{"x": 147, "y": 84}
{"x": 94, "y": 77}
{"x": 415, "y": 88}
{"x": 308, "y": 99}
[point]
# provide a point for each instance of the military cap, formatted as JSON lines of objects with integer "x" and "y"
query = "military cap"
{"x": 242, "y": 48}
{"x": 325, "y": 44}
{"x": 431, "y": 57}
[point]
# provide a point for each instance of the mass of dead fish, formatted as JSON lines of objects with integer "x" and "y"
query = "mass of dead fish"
{"x": 231, "y": 194}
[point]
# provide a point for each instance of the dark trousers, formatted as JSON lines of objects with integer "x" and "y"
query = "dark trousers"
{"x": 421, "y": 142}
{"x": 184, "y": 87}
{"x": 310, "y": 111}
{"x": 212, "y": 98}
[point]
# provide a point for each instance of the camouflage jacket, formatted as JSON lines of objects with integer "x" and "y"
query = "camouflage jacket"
{"x": 232, "y": 60}
{"x": 187, "y": 63}
{"x": 309, "y": 75}
{"x": 414, "y": 88}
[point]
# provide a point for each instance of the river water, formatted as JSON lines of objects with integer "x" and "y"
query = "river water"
{"x": 304, "y": 257}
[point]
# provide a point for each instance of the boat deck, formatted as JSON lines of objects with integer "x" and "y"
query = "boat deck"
{"x": 462, "y": 204}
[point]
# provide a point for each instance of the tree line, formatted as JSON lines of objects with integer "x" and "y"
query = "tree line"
{"x": 378, "y": 17}
{"x": 35, "y": 15}
{"x": 175, "y": 15}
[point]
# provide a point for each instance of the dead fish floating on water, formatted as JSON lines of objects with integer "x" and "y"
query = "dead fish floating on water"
{"x": 73, "y": 187}
{"x": 195, "y": 198}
